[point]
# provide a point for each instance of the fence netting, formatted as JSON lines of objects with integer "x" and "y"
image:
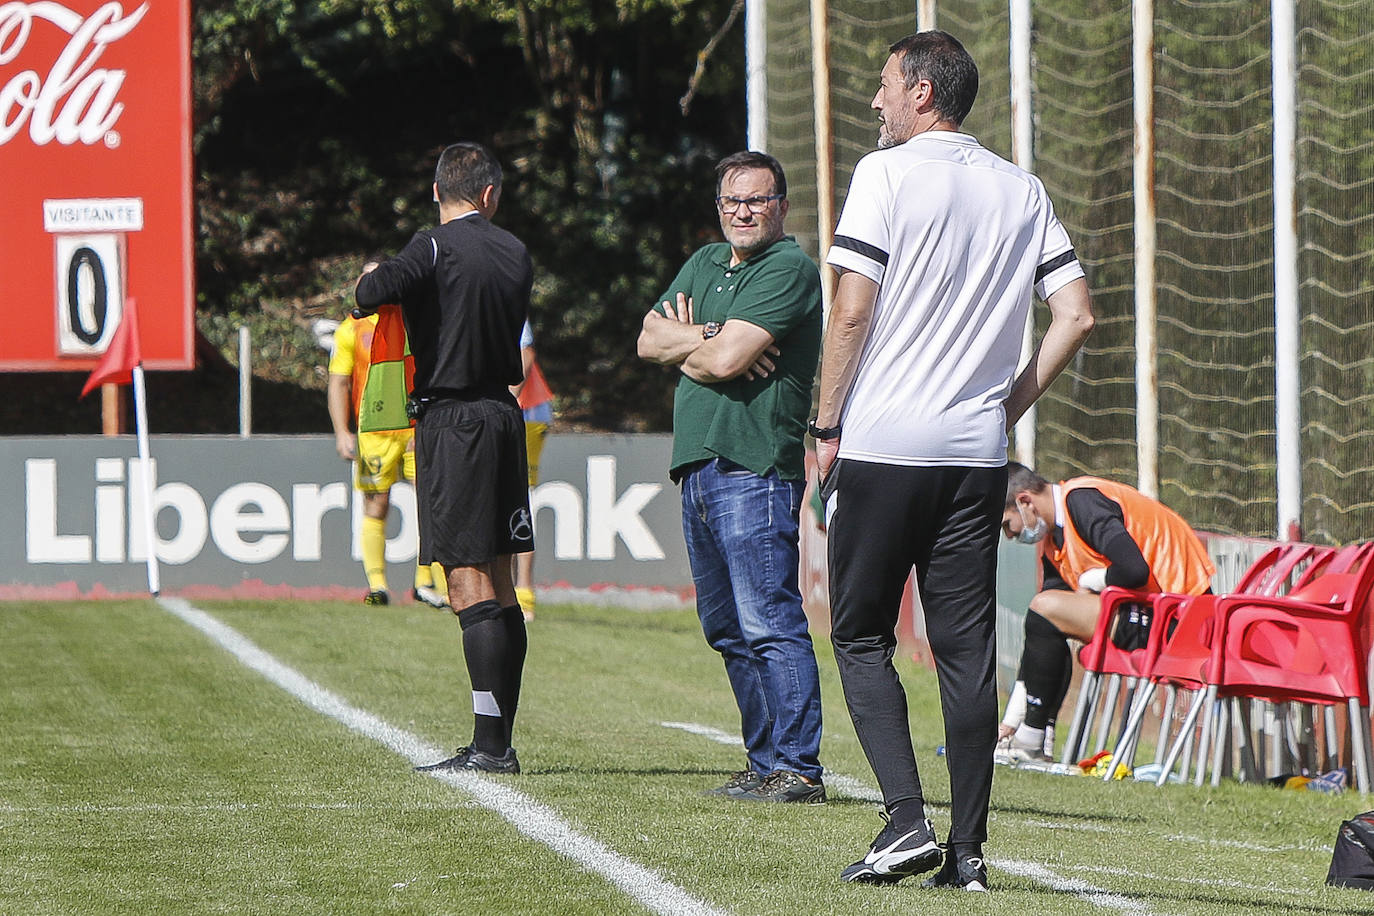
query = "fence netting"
{"x": 1215, "y": 220}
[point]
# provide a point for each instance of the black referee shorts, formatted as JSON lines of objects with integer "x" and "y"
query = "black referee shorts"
{"x": 472, "y": 482}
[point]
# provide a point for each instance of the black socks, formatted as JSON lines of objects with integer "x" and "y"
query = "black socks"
{"x": 494, "y": 644}
{"x": 1046, "y": 667}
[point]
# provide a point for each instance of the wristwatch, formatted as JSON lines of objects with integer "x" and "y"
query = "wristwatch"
{"x": 822, "y": 433}
{"x": 710, "y": 329}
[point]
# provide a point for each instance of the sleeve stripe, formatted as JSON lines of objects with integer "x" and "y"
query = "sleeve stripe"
{"x": 1054, "y": 264}
{"x": 877, "y": 255}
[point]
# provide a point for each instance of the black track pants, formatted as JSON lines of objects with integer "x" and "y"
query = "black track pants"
{"x": 944, "y": 521}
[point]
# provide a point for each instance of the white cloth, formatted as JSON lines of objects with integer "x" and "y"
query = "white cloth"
{"x": 956, "y": 238}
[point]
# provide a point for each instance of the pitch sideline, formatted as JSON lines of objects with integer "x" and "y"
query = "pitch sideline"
{"x": 856, "y": 789}
{"x": 534, "y": 820}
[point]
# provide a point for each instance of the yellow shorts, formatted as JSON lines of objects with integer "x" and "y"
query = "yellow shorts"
{"x": 534, "y": 445}
{"x": 380, "y": 456}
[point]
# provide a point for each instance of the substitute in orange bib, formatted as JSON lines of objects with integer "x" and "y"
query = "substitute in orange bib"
{"x": 370, "y": 373}
{"x": 1091, "y": 533}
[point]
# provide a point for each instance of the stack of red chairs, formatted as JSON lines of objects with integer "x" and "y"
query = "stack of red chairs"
{"x": 1267, "y": 575}
{"x": 1308, "y": 646}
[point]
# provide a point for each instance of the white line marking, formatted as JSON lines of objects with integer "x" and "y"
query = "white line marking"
{"x": 536, "y": 821}
{"x": 1035, "y": 872}
{"x": 1177, "y": 879}
{"x": 1075, "y": 886}
{"x": 225, "y": 807}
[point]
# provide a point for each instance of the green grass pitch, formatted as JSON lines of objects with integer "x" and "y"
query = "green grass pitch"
{"x": 145, "y": 769}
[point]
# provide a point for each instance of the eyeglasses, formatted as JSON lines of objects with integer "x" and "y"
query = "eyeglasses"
{"x": 755, "y": 204}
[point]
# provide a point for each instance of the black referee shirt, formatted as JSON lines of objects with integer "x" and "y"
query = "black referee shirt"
{"x": 464, "y": 289}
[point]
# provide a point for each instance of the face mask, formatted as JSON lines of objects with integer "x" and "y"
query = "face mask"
{"x": 1030, "y": 534}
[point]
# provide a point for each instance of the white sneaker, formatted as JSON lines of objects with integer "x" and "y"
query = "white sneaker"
{"x": 1010, "y": 754}
{"x": 426, "y": 595}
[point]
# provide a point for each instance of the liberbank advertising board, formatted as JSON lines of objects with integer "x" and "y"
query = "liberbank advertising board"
{"x": 281, "y": 510}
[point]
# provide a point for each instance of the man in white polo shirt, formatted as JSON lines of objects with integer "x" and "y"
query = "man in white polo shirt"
{"x": 938, "y": 249}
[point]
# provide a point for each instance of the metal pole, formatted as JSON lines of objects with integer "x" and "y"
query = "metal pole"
{"x": 245, "y": 384}
{"x": 925, "y": 14}
{"x": 1146, "y": 331}
{"x": 1287, "y": 341}
{"x": 146, "y": 478}
{"x": 756, "y": 73}
{"x": 1023, "y": 154}
{"x": 825, "y": 165}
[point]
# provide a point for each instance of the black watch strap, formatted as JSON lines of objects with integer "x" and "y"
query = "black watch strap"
{"x": 822, "y": 433}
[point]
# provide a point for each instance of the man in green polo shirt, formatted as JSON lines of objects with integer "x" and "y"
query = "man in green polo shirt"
{"x": 742, "y": 323}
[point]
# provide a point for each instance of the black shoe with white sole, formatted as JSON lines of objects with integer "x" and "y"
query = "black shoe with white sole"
{"x": 968, "y": 873}
{"x": 896, "y": 854}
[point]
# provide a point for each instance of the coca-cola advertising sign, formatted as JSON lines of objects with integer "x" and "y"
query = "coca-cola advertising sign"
{"x": 95, "y": 180}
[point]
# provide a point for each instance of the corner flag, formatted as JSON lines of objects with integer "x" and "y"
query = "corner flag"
{"x": 121, "y": 356}
{"x": 122, "y": 364}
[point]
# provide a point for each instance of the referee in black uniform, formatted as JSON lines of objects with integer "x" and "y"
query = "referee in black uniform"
{"x": 464, "y": 289}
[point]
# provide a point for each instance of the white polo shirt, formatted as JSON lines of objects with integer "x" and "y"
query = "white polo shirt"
{"x": 955, "y": 237}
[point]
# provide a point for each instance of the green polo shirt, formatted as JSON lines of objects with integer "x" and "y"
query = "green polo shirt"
{"x": 756, "y": 423}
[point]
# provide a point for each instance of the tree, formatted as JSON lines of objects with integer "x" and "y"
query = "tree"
{"x": 317, "y": 126}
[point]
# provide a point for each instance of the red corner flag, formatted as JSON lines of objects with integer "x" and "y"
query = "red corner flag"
{"x": 117, "y": 365}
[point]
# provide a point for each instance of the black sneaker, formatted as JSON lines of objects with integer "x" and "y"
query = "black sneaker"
{"x": 896, "y": 854}
{"x": 377, "y": 597}
{"x": 786, "y": 786}
{"x": 469, "y": 758}
{"x": 969, "y": 873}
{"x": 737, "y": 784}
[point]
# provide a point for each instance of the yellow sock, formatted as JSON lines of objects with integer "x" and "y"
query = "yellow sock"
{"x": 374, "y": 552}
{"x": 424, "y": 576}
{"x": 440, "y": 580}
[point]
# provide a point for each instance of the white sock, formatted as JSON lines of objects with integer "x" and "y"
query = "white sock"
{"x": 1027, "y": 737}
{"x": 1016, "y": 706}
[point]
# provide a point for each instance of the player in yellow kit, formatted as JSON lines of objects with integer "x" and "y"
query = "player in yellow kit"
{"x": 369, "y": 374}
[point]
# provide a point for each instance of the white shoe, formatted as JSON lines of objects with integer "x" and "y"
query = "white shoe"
{"x": 426, "y": 595}
{"x": 1010, "y": 754}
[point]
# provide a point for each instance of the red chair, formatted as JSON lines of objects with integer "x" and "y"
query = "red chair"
{"x": 1100, "y": 656}
{"x": 1310, "y": 646}
{"x": 1183, "y": 664}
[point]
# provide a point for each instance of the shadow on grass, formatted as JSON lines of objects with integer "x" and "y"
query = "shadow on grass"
{"x": 624, "y": 771}
{"x": 1063, "y": 814}
{"x": 1275, "y": 904}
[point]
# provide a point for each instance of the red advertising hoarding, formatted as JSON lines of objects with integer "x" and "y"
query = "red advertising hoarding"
{"x": 95, "y": 180}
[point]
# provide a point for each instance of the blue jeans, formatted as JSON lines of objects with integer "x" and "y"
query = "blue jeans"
{"x": 741, "y": 533}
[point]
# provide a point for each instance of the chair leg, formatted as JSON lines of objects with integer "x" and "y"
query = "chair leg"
{"x": 1128, "y": 703}
{"x": 1359, "y": 744}
{"x": 1307, "y": 750}
{"x": 1124, "y": 752}
{"x": 1272, "y": 731}
{"x": 1222, "y": 743}
{"x": 1076, "y": 726}
{"x": 1166, "y": 719}
{"x": 1104, "y": 725}
{"x": 1205, "y": 738}
{"x": 1291, "y": 739}
{"x": 1333, "y": 748}
{"x": 1248, "y": 771}
{"x": 1184, "y": 739}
